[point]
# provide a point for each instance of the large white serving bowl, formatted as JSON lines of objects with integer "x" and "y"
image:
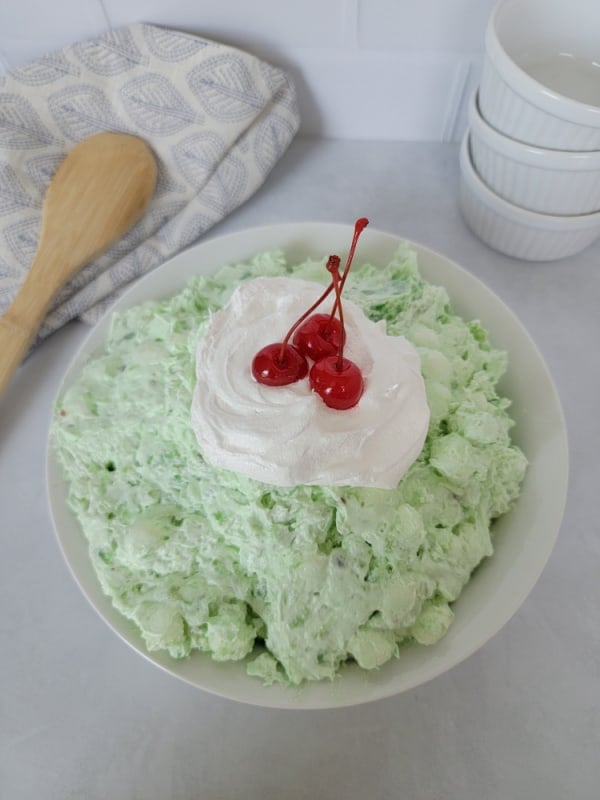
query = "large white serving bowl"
{"x": 517, "y": 231}
{"x": 560, "y": 182}
{"x": 541, "y": 72}
{"x": 524, "y": 537}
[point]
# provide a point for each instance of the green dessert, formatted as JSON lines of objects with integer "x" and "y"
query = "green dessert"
{"x": 302, "y": 579}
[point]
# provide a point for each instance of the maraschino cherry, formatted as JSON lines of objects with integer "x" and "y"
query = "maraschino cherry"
{"x": 337, "y": 380}
{"x": 281, "y": 363}
{"x": 319, "y": 335}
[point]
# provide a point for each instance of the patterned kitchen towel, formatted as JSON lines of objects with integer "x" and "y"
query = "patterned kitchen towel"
{"x": 217, "y": 119}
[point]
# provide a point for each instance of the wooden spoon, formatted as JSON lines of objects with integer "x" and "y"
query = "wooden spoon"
{"x": 98, "y": 192}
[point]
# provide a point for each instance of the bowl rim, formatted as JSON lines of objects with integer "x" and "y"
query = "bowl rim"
{"x": 527, "y": 87}
{"x": 487, "y": 613}
{"x": 524, "y": 153}
{"x": 556, "y": 223}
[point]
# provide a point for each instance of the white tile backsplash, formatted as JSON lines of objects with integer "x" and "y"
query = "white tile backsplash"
{"x": 30, "y": 28}
{"x": 378, "y": 94}
{"x": 276, "y": 23}
{"x": 31, "y": 20}
{"x": 378, "y": 69}
{"x": 426, "y": 25}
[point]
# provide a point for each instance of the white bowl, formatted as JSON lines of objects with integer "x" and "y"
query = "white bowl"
{"x": 541, "y": 72}
{"x": 524, "y": 538}
{"x": 548, "y": 181}
{"x": 517, "y": 231}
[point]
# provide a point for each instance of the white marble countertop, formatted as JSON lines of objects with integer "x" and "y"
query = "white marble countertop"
{"x": 83, "y": 716}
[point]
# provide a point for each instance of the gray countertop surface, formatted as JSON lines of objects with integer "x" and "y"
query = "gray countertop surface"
{"x": 83, "y": 716}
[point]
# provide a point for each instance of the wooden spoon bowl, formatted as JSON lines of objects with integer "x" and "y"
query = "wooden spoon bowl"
{"x": 98, "y": 192}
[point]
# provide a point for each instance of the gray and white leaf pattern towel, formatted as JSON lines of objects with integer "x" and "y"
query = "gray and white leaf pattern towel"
{"x": 217, "y": 119}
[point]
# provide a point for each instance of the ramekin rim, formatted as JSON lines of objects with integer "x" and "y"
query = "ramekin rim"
{"x": 530, "y": 89}
{"x": 525, "y": 152}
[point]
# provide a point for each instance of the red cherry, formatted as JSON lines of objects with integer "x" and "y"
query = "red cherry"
{"x": 337, "y": 380}
{"x": 283, "y": 363}
{"x": 318, "y": 336}
{"x": 339, "y": 388}
{"x": 278, "y": 365}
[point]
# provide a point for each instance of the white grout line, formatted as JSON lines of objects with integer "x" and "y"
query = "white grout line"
{"x": 4, "y": 66}
{"x": 456, "y": 100}
{"x": 109, "y": 24}
{"x": 350, "y": 24}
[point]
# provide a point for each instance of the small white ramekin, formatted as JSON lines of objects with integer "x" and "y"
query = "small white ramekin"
{"x": 538, "y": 56}
{"x": 548, "y": 181}
{"x": 514, "y": 230}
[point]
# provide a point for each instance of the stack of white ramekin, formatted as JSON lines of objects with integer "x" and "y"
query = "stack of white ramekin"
{"x": 530, "y": 160}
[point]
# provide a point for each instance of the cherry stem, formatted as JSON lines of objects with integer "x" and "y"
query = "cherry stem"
{"x": 359, "y": 227}
{"x": 333, "y": 266}
{"x": 300, "y": 320}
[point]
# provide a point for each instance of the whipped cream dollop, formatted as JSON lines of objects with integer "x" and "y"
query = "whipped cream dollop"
{"x": 286, "y": 435}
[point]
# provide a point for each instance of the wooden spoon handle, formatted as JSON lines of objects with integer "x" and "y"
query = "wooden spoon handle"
{"x": 18, "y": 326}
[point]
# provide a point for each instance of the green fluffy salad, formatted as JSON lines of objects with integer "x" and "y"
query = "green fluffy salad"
{"x": 299, "y": 580}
